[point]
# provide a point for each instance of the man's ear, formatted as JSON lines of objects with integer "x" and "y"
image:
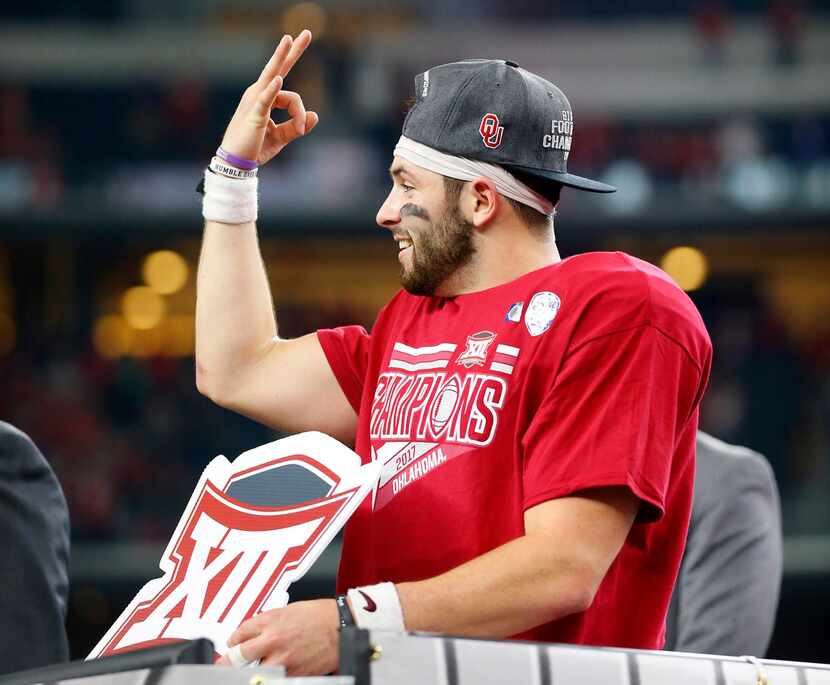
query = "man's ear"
{"x": 480, "y": 202}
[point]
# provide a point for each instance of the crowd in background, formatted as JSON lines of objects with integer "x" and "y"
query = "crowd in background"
{"x": 50, "y": 139}
{"x": 50, "y": 134}
{"x": 60, "y": 126}
{"x": 772, "y": 394}
{"x": 128, "y": 438}
{"x": 49, "y": 146}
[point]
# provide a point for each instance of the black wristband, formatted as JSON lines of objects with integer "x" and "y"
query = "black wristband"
{"x": 346, "y": 618}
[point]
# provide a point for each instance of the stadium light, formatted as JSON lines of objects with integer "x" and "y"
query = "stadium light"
{"x": 688, "y": 267}
{"x": 165, "y": 271}
{"x": 143, "y": 307}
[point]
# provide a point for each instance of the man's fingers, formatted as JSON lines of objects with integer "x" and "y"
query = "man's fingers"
{"x": 255, "y": 648}
{"x": 284, "y": 133}
{"x": 272, "y": 68}
{"x": 293, "y": 103}
{"x": 246, "y": 630}
{"x": 301, "y": 42}
{"x": 265, "y": 100}
{"x": 273, "y": 660}
{"x": 246, "y": 652}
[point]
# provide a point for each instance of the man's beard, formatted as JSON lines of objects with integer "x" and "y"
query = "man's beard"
{"x": 439, "y": 251}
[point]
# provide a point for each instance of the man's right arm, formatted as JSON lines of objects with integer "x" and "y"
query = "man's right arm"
{"x": 241, "y": 363}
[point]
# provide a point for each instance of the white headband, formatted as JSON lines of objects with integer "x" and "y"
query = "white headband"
{"x": 465, "y": 169}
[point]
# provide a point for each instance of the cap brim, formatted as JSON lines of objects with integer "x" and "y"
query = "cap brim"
{"x": 563, "y": 178}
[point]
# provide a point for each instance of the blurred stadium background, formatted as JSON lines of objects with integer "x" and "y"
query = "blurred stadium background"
{"x": 712, "y": 117}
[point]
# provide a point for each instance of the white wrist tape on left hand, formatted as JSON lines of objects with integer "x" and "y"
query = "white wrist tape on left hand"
{"x": 377, "y": 607}
{"x": 234, "y": 655}
{"x": 229, "y": 200}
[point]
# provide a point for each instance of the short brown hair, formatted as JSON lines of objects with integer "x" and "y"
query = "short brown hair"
{"x": 535, "y": 221}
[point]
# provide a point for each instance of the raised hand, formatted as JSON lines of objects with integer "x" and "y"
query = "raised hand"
{"x": 251, "y": 133}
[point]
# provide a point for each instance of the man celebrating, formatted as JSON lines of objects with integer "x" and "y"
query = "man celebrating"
{"x": 535, "y": 417}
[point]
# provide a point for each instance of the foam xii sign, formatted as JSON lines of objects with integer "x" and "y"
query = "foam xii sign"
{"x": 250, "y": 529}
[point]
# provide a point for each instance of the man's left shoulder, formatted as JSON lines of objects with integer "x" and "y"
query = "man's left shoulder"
{"x": 626, "y": 291}
{"x": 620, "y": 276}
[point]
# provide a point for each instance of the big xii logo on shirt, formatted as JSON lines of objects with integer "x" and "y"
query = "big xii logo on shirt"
{"x": 251, "y": 528}
{"x": 434, "y": 403}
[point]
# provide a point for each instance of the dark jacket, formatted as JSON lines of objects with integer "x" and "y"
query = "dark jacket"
{"x": 34, "y": 557}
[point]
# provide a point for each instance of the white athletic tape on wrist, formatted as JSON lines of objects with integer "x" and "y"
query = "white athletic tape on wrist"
{"x": 377, "y": 607}
{"x": 234, "y": 655}
{"x": 229, "y": 200}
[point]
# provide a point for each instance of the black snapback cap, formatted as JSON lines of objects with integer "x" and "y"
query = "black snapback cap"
{"x": 494, "y": 111}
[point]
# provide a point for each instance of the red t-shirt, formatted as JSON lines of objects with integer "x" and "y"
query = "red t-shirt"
{"x": 581, "y": 374}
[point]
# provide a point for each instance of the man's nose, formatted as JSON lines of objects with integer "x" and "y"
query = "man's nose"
{"x": 389, "y": 214}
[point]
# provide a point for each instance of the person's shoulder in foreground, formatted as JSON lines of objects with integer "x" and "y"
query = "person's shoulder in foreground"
{"x": 34, "y": 527}
{"x": 727, "y": 591}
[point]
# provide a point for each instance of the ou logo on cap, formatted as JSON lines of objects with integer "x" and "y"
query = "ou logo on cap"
{"x": 490, "y": 130}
